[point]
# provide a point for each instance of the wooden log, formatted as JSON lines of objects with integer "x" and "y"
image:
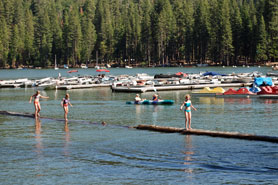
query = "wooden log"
{"x": 28, "y": 115}
{"x": 235, "y": 135}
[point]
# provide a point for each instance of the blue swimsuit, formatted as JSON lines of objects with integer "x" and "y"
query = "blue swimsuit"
{"x": 187, "y": 104}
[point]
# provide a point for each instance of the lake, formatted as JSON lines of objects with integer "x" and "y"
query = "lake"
{"x": 47, "y": 151}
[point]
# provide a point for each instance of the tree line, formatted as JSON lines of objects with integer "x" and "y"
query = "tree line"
{"x": 38, "y": 32}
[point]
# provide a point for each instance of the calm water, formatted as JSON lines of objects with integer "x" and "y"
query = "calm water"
{"x": 48, "y": 152}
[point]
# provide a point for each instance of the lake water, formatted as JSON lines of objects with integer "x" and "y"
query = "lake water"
{"x": 48, "y": 152}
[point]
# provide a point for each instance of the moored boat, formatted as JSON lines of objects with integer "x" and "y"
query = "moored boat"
{"x": 207, "y": 91}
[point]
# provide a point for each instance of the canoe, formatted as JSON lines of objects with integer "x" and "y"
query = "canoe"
{"x": 150, "y": 102}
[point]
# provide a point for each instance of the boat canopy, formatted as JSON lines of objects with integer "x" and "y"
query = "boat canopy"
{"x": 213, "y": 74}
{"x": 259, "y": 81}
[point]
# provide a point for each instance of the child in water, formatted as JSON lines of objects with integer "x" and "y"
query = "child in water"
{"x": 187, "y": 111}
{"x": 65, "y": 103}
{"x": 37, "y": 105}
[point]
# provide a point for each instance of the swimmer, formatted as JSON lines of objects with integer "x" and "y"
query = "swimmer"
{"x": 65, "y": 104}
{"x": 187, "y": 111}
{"x": 37, "y": 105}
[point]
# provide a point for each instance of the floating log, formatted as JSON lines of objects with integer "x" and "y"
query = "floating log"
{"x": 28, "y": 115}
{"x": 235, "y": 135}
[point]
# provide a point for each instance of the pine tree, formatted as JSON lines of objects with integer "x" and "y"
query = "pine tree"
{"x": 163, "y": 28}
{"x": 236, "y": 24}
{"x": 272, "y": 27}
{"x": 88, "y": 30}
{"x": 146, "y": 30}
{"x": 201, "y": 31}
{"x": 74, "y": 36}
{"x": 4, "y": 42}
{"x": 55, "y": 17}
{"x": 29, "y": 37}
{"x": 261, "y": 52}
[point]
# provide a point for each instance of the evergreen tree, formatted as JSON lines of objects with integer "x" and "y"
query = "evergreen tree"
{"x": 201, "y": 30}
{"x": 261, "y": 52}
{"x": 272, "y": 28}
{"x": 246, "y": 35}
{"x": 4, "y": 42}
{"x": 88, "y": 30}
{"x": 236, "y": 23}
{"x": 74, "y": 37}
{"x": 29, "y": 37}
{"x": 163, "y": 28}
{"x": 146, "y": 31}
{"x": 55, "y": 17}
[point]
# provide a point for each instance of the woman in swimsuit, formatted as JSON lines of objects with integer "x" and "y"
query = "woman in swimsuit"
{"x": 37, "y": 105}
{"x": 187, "y": 111}
{"x": 155, "y": 97}
{"x": 65, "y": 104}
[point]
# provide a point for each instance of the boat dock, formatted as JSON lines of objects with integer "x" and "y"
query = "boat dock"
{"x": 173, "y": 87}
{"x": 68, "y": 87}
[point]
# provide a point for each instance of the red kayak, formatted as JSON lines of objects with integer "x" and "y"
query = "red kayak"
{"x": 73, "y": 71}
{"x": 102, "y": 70}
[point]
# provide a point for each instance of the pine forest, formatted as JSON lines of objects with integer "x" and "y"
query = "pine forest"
{"x": 138, "y": 32}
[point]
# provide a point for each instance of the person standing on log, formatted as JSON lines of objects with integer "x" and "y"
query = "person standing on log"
{"x": 187, "y": 111}
{"x": 65, "y": 104}
{"x": 37, "y": 105}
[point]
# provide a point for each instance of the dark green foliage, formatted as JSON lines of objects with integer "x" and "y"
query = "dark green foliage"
{"x": 35, "y": 32}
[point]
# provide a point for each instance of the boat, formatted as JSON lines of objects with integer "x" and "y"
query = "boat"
{"x": 128, "y": 67}
{"x": 240, "y": 93}
{"x": 73, "y": 71}
{"x": 102, "y": 70}
{"x": 83, "y": 66}
{"x": 268, "y": 90}
{"x": 272, "y": 74}
{"x": 209, "y": 92}
{"x": 55, "y": 67}
{"x": 151, "y": 102}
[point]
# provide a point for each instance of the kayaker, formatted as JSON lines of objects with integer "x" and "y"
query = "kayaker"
{"x": 137, "y": 98}
{"x": 37, "y": 105}
{"x": 187, "y": 111}
{"x": 65, "y": 104}
{"x": 155, "y": 97}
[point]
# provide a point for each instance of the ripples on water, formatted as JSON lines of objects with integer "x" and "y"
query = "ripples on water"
{"x": 50, "y": 152}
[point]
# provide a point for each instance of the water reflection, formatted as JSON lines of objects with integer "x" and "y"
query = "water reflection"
{"x": 238, "y": 100}
{"x": 155, "y": 112}
{"x": 67, "y": 139}
{"x": 270, "y": 101}
{"x": 38, "y": 139}
{"x": 188, "y": 155}
{"x": 211, "y": 100}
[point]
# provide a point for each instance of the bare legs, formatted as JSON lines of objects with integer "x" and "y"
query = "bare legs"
{"x": 37, "y": 109}
{"x": 187, "y": 120}
{"x": 66, "y": 109}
